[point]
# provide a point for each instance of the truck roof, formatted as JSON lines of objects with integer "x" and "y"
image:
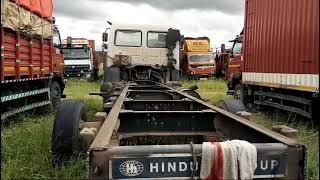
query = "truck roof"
{"x": 142, "y": 27}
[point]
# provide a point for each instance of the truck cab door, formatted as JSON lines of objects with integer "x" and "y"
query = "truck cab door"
{"x": 156, "y": 51}
{"x": 128, "y": 42}
{"x": 235, "y": 61}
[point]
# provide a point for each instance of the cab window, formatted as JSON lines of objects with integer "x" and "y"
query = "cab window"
{"x": 157, "y": 39}
{"x": 129, "y": 38}
{"x": 56, "y": 40}
{"x": 237, "y": 48}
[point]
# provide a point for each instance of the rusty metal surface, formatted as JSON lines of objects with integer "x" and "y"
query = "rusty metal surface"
{"x": 282, "y": 36}
{"x": 102, "y": 139}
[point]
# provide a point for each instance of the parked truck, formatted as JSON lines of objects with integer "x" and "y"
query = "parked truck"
{"x": 278, "y": 64}
{"x": 31, "y": 63}
{"x": 196, "y": 58}
{"x": 150, "y": 127}
{"x": 80, "y": 58}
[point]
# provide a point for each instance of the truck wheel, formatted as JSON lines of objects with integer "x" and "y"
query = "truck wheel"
{"x": 112, "y": 74}
{"x": 232, "y": 105}
{"x": 55, "y": 94}
{"x": 190, "y": 92}
{"x": 68, "y": 122}
{"x": 239, "y": 92}
{"x": 95, "y": 74}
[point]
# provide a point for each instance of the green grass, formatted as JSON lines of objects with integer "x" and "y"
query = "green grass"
{"x": 210, "y": 90}
{"x": 307, "y": 134}
{"x": 26, "y": 142}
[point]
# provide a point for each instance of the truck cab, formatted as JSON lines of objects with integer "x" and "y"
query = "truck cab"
{"x": 196, "y": 58}
{"x": 78, "y": 55}
{"x": 235, "y": 65}
{"x": 141, "y": 52}
{"x": 58, "y": 59}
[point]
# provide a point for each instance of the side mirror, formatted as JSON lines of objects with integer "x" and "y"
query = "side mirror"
{"x": 173, "y": 36}
{"x": 223, "y": 47}
{"x": 69, "y": 41}
{"x": 105, "y": 37}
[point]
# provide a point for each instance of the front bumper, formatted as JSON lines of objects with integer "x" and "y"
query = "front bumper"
{"x": 77, "y": 70}
{"x": 203, "y": 72}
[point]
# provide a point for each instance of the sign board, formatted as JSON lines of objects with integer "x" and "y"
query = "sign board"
{"x": 194, "y": 45}
{"x": 77, "y": 41}
{"x": 270, "y": 164}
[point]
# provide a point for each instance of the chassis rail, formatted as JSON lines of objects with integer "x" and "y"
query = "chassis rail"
{"x": 145, "y": 108}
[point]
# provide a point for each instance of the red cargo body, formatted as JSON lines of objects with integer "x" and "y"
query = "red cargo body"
{"x": 24, "y": 57}
{"x": 282, "y": 42}
{"x": 94, "y": 53}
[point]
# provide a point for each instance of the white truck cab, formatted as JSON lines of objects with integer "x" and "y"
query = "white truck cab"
{"x": 141, "y": 52}
{"x": 78, "y": 57}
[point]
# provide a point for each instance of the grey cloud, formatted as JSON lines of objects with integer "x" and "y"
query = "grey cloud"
{"x": 226, "y": 6}
{"x": 221, "y": 20}
{"x": 84, "y": 9}
{"x": 79, "y": 9}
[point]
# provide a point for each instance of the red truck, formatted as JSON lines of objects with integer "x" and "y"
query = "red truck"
{"x": 31, "y": 63}
{"x": 278, "y": 65}
{"x": 196, "y": 58}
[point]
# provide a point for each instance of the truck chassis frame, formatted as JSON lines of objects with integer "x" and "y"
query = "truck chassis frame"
{"x": 147, "y": 109}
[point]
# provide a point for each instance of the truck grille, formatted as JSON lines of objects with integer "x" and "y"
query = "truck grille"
{"x": 76, "y": 69}
{"x": 201, "y": 65}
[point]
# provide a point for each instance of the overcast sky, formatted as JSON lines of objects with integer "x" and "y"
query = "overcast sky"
{"x": 220, "y": 20}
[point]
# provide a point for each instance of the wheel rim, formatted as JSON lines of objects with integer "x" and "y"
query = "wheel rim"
{"x": 237, "y": 94}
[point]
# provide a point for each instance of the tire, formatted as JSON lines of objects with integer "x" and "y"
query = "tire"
{"x": 55, "y": 94}
{"x": 112, "y": 74}
{"x": 124, "y": 75}
{"x": 190, "y": 92}
{"x": 66, "y": 130}
{"x": 239, "y": 93}
{"x": 232, "y": 105}
{"x": 95, "y": 74}
{"x": 175, "y": 75}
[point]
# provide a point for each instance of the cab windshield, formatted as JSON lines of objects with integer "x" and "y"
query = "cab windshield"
{"x": 75, "y": 53}
{"x": 201, "y": 58}
{"x": 237, "y": 48}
